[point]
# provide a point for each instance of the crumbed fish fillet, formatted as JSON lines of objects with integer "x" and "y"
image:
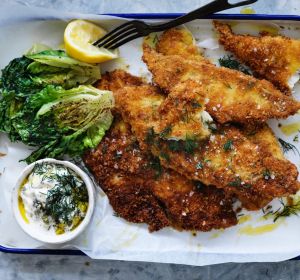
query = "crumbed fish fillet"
{"x": 275, "y": 58}
{"x": 229, "y": 159}
{"x": 231, "y": 95}
{"x": 141, "y": 191}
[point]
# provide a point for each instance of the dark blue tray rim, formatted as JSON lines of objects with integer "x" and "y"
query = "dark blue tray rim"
{"x": 213, "y": 16}
{"x": 152, "y": 16}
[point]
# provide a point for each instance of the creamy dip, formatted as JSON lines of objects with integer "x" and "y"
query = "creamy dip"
{"x": 53, "y": 197}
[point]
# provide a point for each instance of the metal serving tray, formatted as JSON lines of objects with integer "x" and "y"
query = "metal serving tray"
{"x": 153, "y": 16}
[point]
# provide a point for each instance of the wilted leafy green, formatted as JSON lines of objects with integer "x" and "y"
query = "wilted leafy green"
{"x": 45, "y": 103}
{"x": 230, "y": 62}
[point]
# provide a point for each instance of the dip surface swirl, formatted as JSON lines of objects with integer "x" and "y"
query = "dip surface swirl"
{"x": 54, "y": 197}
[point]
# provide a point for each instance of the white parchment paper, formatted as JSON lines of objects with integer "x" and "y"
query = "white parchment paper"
{"x": 107, "y": 236}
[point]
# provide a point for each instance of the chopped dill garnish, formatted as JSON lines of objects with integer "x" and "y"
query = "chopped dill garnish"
{"x": 104, "y": 148}
{"x": 286, "y": 147}
{"x": 228, "y": 145}
{"x": 165, "y": 156}
{"x": 174, "y": 145}
{"x": 199, "y": 186}
{"x": 115, "y": 214}
{"x": 185, "y": 117}
{"x": 207, "y": 160}
{"x": 196, "y": 105}
{"x": 287, "y": 210}
{"x": 211, "y": 126}
{"x": 150, "y": 137}
{"x": 63, "y": 199}
{"x": 166, "y": 131}
{"x": 156, "y": 166}
{"x": 237, "y": 182}
{"x": 117, "y": 155}
{"x": 228, "y": 61}
{"x": 267, "y": 211}
{"x": 190, "y": 145}
{"x": 199, "y": 165}
{"x": 155, "y": 39}
{"x": 296, "y": 138}
{"x": 267, "y": 174}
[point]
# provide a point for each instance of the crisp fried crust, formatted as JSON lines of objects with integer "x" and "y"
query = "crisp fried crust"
{"x": 232, "y": 95}
{"x": 229, "y": 159}
{"x": 117, "y": 79}
{"x": 275, "y": 58}
{"x": 261, "y": 136}
{"x": 192, "y": 206}
{"x": 179, "y": 41}
{"x": 183, "y": 115}
{"x": 141, "y": 193}
{"x": 116, "y": 164}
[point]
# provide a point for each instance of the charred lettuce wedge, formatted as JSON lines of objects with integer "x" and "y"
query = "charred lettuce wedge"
{"x": 47, "y": 101}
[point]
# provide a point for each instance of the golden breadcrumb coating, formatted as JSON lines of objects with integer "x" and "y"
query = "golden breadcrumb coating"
{"x": 229, "y": 159}
{"x": 179, "y": 41}
{"x": 141, "y": 191}
{"x": 232, "y": 96}
{"x": 275, "y": 58}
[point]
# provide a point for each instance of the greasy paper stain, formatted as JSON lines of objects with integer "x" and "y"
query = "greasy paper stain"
{"x": 22, "y": 208}
{"x": 128, "y": 237}
{"x": 244, "y": 219}
{"x": 250, "y": 230}
{"x": 290, "y": 129}
{"x": 247, "y": 11}
{"x": 216, "y": 234}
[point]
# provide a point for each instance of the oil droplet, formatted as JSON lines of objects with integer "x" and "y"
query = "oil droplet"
{"x": 247, "y": 11}
{"x": 290, "y": 129}
{"x": 21, "y": 203}
{"x": 271, "y": 30}
{"x": 215, "y": 235}
{"x": 250, "y": 230}
{"x": 244, "y": 219}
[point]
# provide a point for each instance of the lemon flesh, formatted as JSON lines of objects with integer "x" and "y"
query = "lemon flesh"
{"x": 79, "y": 37}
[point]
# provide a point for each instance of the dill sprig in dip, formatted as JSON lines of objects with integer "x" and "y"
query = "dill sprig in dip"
{"x": 54, "y": 197}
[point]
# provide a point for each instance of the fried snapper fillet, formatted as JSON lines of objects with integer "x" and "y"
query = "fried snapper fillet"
{"x": 262, "y": 136}
{"x": 229, "y": 159}
{"x": 184, "y": 112}
{"x": 275, "y": 58}
{"x": 231, "y": 95}
{"x": 179, "y": 41}
{"x": 141, "y": 191}
{"x": 117, "y": 79}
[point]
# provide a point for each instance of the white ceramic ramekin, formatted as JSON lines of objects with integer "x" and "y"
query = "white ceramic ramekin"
{"x": 50, "y": 237}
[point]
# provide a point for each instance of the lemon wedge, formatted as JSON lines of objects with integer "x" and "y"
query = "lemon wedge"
{"x": 79, "y": 37}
